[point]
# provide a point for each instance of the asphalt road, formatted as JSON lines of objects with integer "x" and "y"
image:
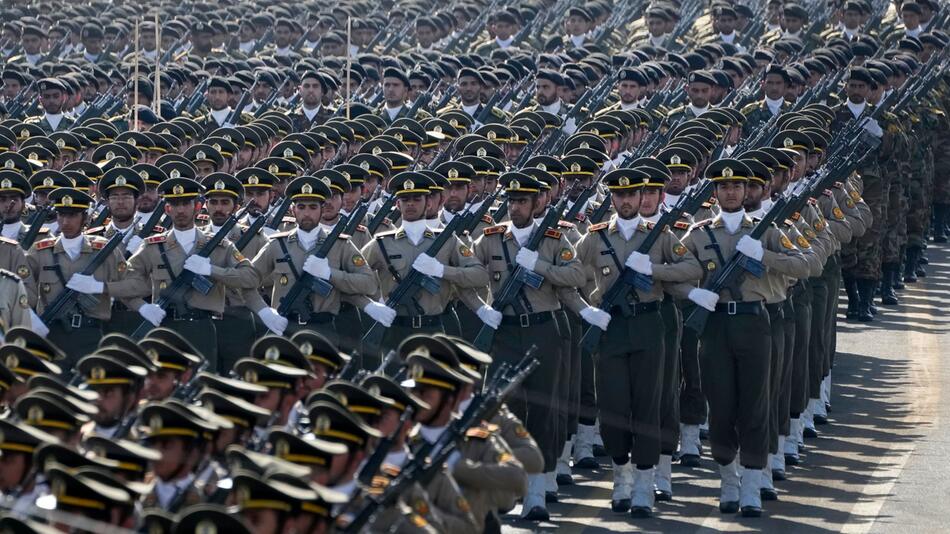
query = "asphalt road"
{"x": 881, "y": 465}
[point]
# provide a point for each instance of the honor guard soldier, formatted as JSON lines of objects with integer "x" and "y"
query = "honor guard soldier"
{"x": 14, "y": 189}
{"x": 119, "y": 387}
{"x": 83, "y": 492}
{"x": 18, "y": 478}
{"x": 395, "y": 92}
{"x": 470, "y": 85}
{"x": 53, "y": 96}
{"x": 289, "y": 259}
{"x": 156, "y": 265}
{"x": 529, "y": 319}
{"x": 396, "y": 253}
{"x": 57, "y": 263}
{"x": 174, "y": 367}
{"x": 50, "y": 411}
{"x": 735, "y": 344}
{"x": 286, "y": 385}
{"x": 312, "y": 112}
{"x": 631, "y": 351}
{"x": 14, "y": 302}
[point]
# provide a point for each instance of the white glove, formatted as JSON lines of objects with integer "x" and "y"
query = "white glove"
{"x": 318, "y": 267}
{"x": 380, "y": 313}
{"x": 596, "y": 317}
{"x": 268, "y": 231}
{"x": 704, "y": 298}
{"x": 570, "y": 127}
{"x": 274, "y": 322}
{"x": 428, "y": 266}
{"x": 872, "y": 127}
{"x": 84, "y": 283}
{"x": 750, "y": 247}
{"x": 152, "y": 313}
{"x": 38, "y": 325}
{"x": 527, "y": 258}
{"x": 133, "y": 244}
{"x": 490, "y": 316}
{"x": 198, "y": 265}
{"x": 640, "y": 263}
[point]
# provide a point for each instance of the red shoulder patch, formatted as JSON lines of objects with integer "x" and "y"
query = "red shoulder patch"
{"x": 96, "y": 230}
{"x": 202, "y": 217}
{"x": 495, "y": 230}
{"x": 487, "y": 219}
{"x": 565, "y": 224}
{"x": 553, "y": 233}
{"x": 155, "y": 239}
{"x": 361, "y": 228}
{"x": 598, "y": 227}
{"x": 98, "y": 244}
{"x": 838, "y": 185}
{"x": 581, "y": 217}
{"x": 827, "y": 192}
{"x": 9, "y": 241}
{"x": 46, "y": 243}
{"x": 681, "y": 225}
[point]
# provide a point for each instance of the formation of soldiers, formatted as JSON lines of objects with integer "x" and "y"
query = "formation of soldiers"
{"x": 400, "y": 266}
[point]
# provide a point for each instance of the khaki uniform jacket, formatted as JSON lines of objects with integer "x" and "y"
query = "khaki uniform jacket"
{"x": 235, "y": 297}
{"x": 45, "y": 255}
{"x": 490, "y": 476}
{"x": 518, "y": 440}
{"x": 14, "y": 302}
{"x": 672, "y": 261}
{"x": 462, "y": 269}
{"x": 148, "y": 274}
{"x": 781, "y": 257}
{"x": 349, "y": 272}
{"x": 13, "y": 259}
{"x": 557, "y": 263}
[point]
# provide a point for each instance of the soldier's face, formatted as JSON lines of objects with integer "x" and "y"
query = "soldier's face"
{"x": 175, "y": 453}
{"x": 731, "y": 195}
{"x": 13, "y": 467}
{"x": 521, "y": 209}
{"x": 412, "y": 207}
{"x": 469, "y": 89}
{"x": 71, "y": 222}
{"x": 11, "y": 87}
{"x": 11, "y": 206}
{"x": 308, "y": 214}
{"x": 52, "y": 100}
{"x": 754, "y": 194}
{"x": 575, "y": 25}
{"x": 182, "y": 212}
{"x": 504, "y": 30}
{"x": 160, "y": 384}
{"x": 650, "y": 199}
{"x": 112, "y": 403}
{"x": 331, "y": 208}
{"x": 394, "y": 91}
{"x": 350, "y": 198}
{"x": 282, "y": 36}
{"x": 455, "y": 196}
{"x": 121, "y": 203}
{"x": 218, "y": 97}
{"x": 774, "y": 86}
{"x": 627, "y": 203}
{"x": 857, "y": 91}
{"x": 699, "y": 94}
{"x": 32, "y": 44}
{"x": 679, "y": 179}
{"x": 656, "y": 26}
{"x": 793, "y": 24}
{"x": 726, "y": 25}
{"x": 148, "y": 199}
{"x": 629, "y": 91}
{"x": 220, "y": 207}
{"x": 545, "y": 92}
{"x": 433, "y": 205}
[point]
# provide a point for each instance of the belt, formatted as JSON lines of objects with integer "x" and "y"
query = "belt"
{"x": 417, "y": 321}
{"x": 317, "y": 318}
{"x": 527, "y": 319}
{"x": 740, "y": 308}
{"x": 775, "y": 308}
{"x": 636, "y": 309}
{"x": 193, "y": 315}
{"x": 78, "y": 320}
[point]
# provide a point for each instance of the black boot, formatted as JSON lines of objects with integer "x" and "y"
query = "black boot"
{"x": 940, "y": 222}
{"x": 910, "y": 265}
{"x": 851, "y": 288}
{"x": 888, "y": 297}
{"x": 866, "y": 293}
{"x": 897, "y": 276}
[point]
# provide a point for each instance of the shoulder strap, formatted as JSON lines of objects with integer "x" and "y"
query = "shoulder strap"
{"x": 287, "y": 258}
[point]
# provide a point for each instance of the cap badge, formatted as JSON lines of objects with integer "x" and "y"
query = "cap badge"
{"x": 33, "y": 156}
{"x": 120, "y": 181}
{"x": 452, "y": 174}
{"x": 219, "y": 185}
{"x": 8, "y": 164}
{"x": 110, "y": 155}
{"x": 306, "y": 348}
{"x": 273, "y": 168}
{"x": 575, "y": 167}
{"x": 307, "y": 189}
{"x": 514, "y": 185}
{"x": 34, "y": 414}
{"x": 200, "y": 154}
{"x": 67, "y": 200}
{"x": 437, "y": 129}
{"x": 408, "y": 184}
{"x": 326, "y": 181}
{"x": 727, "y": 172}
{"x": 253, "y": 180}
{"x": 60, "y": 143}
{"x": 175, "y": 173}
{"x": 585, "y": 144}
{"x": 144, "y": 175}
{"x": 322, "y": 424}
{"x": 788, "y": 143}
{"x": 250, "y": 376}
{"x": 623, "y": 181}
{"x": 492, "y": 136}
{"x": 97, "y": 373}
{"x": 272, "y": 354}
{"x": 675, "y": 160}
{"x": 481, "y": 152}
{"x": 364, "y": 165}
{"x": 416, "y": 372}
{"x": 178, "y": 190}
{"x": 288, "y": 153}
{"x": 6, "y": 183}
{"x": 12, "y": 361}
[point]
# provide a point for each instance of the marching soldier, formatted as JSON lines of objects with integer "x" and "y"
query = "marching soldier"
{"x": 119, "y": 387}
{"x": 53, "y": 99}
{"x": 56, "y": 264}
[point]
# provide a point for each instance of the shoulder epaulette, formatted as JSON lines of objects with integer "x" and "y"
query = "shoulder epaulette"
{"x": 598, "y": 227}
{"x": 9, "y": 274}
{"x": 158, "y": 229}
{"x": 707, "y": 205}
{"x": 581, "y": 217}
{"x": 827, "y": 192}
{"x": 391, "y": 233}
{"x": 9, "y": 241}
{"x": 46, "y": 243}
{"x": 649, "y": 225}
{"x": 839, "y": 185}
{"x": 552, "y": 233}
{"x": 286, "y": 233}
{"x": 478, "y": 433}
{"x": 96, "y": 230}
{"x": 681, "y": 225}
{"x": 487, "y": 219}
{"x": 155, "y": 239}
{"x": 344, "y": 236}
{"x": 705, "y": 222}
{"x": 361, "y": 228}
{"x": 288, "y": 218}
{"x": 566, "y": 224}
{"x": 674, "y": 111}
{"x": 202, "y": 217}
{"x": 789, "y": 222}
{"x": 796, "y": 216}
{"x": 500, "y": 229}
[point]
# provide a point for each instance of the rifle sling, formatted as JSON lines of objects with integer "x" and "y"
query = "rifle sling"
{"x": 395, "y": 274}
{"x": 518, "y": 307}
{"x": 613, "y": 254}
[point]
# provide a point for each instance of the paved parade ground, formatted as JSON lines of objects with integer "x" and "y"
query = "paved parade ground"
{"x": 879, "y": 466}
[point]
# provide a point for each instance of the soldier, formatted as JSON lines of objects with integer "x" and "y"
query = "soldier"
{"x": 277, "y": 364}
{"x": 219, "y": 110}
{"x": 91, "y": 493}
{"x": 470, "y": 84}
{"x": 289, "y": 255}
{"x": 736, "y": 340}
{"x": 501, "y": 249}
{"x": 312, "y": 112}
{"x": 699, "y": 86}
{"x": 18, "y": 477}
{"x": 174, "y": 367}
{"x": 57, "y": 263}
{"x": 397, "y": 252}
{"x": 773, "y": 104}
{"x": 119, "y": 387}
{"x": 157, "y": 264}
{"x": 395, "y": 92}
{"x": 52, "y": 94}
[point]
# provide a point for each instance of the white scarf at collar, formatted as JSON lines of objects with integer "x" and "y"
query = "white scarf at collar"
{"x": 628, "y": 226}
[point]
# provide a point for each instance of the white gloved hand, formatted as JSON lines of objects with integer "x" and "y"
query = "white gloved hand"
{"x": 318, "y": 267}
{"x": 872, "y": 127}
{"x": 198, "y": 265}
{"x": 380, "y": 313}
{"x": 152, "y": 313}
{"x": 38, "y": 325}
{"x": 527, "y": 258}
{"x": 750, "y": 247}
{"x": 490, "y": 316}
{"x": 596, "y": 317}
{"x": 84, "y": 283}
{"x": 570, "y": 126}
{"x": 428, "y": 266}
{"x": 640, "y": 263}
{"x": 133, "y": 244}
{"x": 704, "y": 298}
{"x": 268, "y": 231}
{"x": 274, "y": 322}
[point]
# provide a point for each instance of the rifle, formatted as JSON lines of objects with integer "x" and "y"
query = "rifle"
{"x": 356, "y": 217}
{"x": 35, "y": 224}
{"x": 167, "y": 55}
{"x": 235, "y": 114}
{"x": 101, "y": 217}
{"x": 303, "y": 37}
{"x": 191, "y": 104}
{"x": 15, "y": 106}
{"x": 152, "y": 220}
{"x": 187, "y": 391}
{"x": 601, "y": 210}
{"x": 508, "y": 294}
{"x": 429, "y": 458}
{"x": 297, "y": 299}
{"x": 67, "y": 297}
{"x": 278, "y": 213}
{"x": 413, "y": 281}
{"x": 475, "y": 217}
{"x": 629, "y": 279}
{"x": 57, "y": 48}
{"x": 262, "y": 42}
{"x": 381, "y": 214}
{"x": 175, "y": 292}
{"x": 271, "y": 98}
